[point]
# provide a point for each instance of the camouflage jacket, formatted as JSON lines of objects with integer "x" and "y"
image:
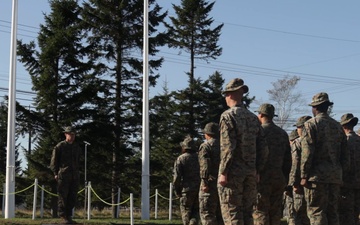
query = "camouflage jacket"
{"x": 209, "y": 159}
{"x": 186, "y": 175}
{"x": 352, "y": 178}
{"x": 242, "y": 143}
{"x": 65, "y": 160}
{"x": 324, "y": 152}
{"x": 294, "y": 175}
{"x": 278, "y": 164}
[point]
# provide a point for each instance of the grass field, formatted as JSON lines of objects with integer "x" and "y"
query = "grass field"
{"x": 97, "y": 218}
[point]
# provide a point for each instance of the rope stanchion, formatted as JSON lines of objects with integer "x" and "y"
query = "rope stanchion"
{"x": 107, "y": 203}
{"x": 42, "y": 188}
{"x": 167, "y": 198}
{"x": 17, "y": 192}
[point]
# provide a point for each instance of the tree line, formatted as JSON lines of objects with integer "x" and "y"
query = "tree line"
{"x": 86, "y": 73}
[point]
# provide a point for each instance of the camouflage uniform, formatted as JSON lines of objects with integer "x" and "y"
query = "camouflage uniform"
{"x": 297, "y": 210}
{"x": 209, "y": 158}
{"x": 350, "y": 191}
{"x": 273, "y": 179}
{"x": 324, "y": 158}
{"x": 186, "y": 182}
{"x": 65, "y": 165}
{"x": 243, "y": 154}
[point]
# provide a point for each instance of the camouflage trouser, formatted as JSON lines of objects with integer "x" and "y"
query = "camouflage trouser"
{"x": 209, "y": 205}
{"x": 297, "y": 210}
{"x": 322, "y": 203}
{"x": 268, "y": 208}
{"x": 349, "y": 206}
{"x": 67, "y": 192}
{"x": 237, "y": 199}
{"x": 189, "y": 208}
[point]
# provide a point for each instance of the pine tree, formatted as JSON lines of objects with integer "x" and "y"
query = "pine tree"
{"x": 191, "y": 31}
{"x": 59, "y": 72}
{"x": 116, "y": 34}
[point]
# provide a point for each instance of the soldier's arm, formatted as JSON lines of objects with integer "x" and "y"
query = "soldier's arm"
{"x": 307, "y": 151}
{"x": 227, "y": 146}
{"x": 262, "y": 151}
{"x": 287, "y": 160}
{"x": 177, "y": 178}
{"x": 55, "y": 159}
{"x": 345, "y": 154}
{"x": 204, "y": 162}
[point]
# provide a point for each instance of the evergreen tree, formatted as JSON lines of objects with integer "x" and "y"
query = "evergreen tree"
{"x": 191, "y": 31}
{"x": 59, "y": 74}
{"x": 116, "y": 35}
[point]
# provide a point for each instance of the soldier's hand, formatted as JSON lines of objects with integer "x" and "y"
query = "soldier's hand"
{"x": 303, "y": 182}
{"x": 257, "y": 178}
{"x": 222, "y": 180}
{"x": 56, "y": 177}
{"x": 298, "y": 190}
{"x": 205, "y": 188}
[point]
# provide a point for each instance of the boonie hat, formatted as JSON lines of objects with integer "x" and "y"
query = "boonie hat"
{"x": 236, "y": 84}
{"x": 320, "y": 98}
{"x": 267, "y": 109}
{"x": 69, "y": 130}
{"x": 300, "y": 122}
{"x": 348, "y": 118}
{"x": 211, "y": 128}
{"x": 188, "y": 143}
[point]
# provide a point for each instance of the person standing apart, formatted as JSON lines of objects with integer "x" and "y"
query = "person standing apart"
{"x": 243, "y": 155}
{"x": 209, "y": 159}
{"x": 274, "y": 177}
{"x": 324, "y": 158}
{"x": 65, "y": 166}
{"x": 186, "y": 181}
{"x": 349, "y": 204}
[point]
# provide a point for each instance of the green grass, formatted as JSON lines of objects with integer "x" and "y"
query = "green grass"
{"x": 97, "y": 218}
{"x": 104, "y": 217}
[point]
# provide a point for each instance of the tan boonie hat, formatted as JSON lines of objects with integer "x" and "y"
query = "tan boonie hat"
{"x": 320, "y": 98}
{"x": 348, "y": 118}
{"x": 211, "y": 128}
{"x": 300, "y": 122}
{"x": 188, "y": 143}
{"x": 293, "y": 135}
{"x": 236, "y": 84}
{"x": 69, "y": 130}
{"x": 267, "y": 109}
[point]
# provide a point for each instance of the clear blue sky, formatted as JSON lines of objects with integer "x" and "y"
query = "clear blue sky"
{"x": 262, "y": 42}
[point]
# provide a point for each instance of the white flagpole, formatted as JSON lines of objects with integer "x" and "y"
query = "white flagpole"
{"x": 145, "y": 183}
{"x": 10, "y": 154}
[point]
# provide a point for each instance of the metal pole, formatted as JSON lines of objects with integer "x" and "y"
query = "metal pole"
{"x": 118, "y": 206}
{"x": 131, "y": 209}
{"x": 10, "y": 154}
{"x": 170, "y": 201}
{"x": 42, "y": 202}
{"x": 145, "y": 181}
{"x": 35, "y": 198}
{"x": 85, "y": 177}
{"x": 89, "y": 200}
{"x": 156, "y": 202}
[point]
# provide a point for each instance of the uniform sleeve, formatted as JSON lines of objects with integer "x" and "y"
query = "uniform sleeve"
{"x": 307, "y": 150}
{"x": 227, "y": 144}
{"x": 204, "y": 162}
{"x": 294, "y": 175}
{"x": 287, "y": 159}
{"x": 177, "y": 178}
{"x": 55, "y": 159}
{"x": 345, "y": 154}
{"x": 262, "y": 150}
